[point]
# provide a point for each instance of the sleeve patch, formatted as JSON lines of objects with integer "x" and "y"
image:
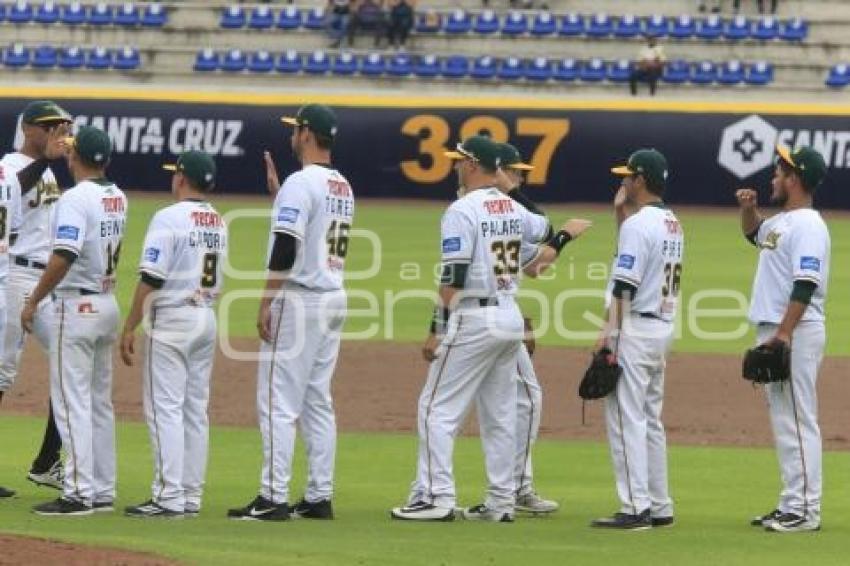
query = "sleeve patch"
{"x": 810, "y": 263}
{"x": 67, "y": 233}
{"x": 451, "y": 245}
{"x": 288, "y": 214}
{"x": 152, "y": 255}
{"x": 626, "y": 261}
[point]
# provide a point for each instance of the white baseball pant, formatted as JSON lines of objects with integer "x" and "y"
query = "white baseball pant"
{"x": 529, "y": 405}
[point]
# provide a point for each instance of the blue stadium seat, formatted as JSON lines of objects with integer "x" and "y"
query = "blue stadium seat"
{"x": 154, "y": 16}
{"x": 486, "y": 22}
{"x": 428, "y": 21}
{"x": 45, "y": 57}
{"x": 206, "y": 60}
{"x": 759, "y": 74}
{"x": 710, "y": 28}
{"x": 47, "y": 13}
{"x": 627, "y": 26}
{"x": 232, "y": 17}
{"x": 676, "y": 72}
{"x": 484, "y": 67}
{"x": 620, "y": 71}
{"x": 511, "y": 69}
{"x": 766, "y": 28}
{"x": 315, "y": 19}
{"x": 2, "y": 12}
{"x": 289, "y": 62}
{"x": 458, "y": 21}
{"x": 539, "y": 69}
{"x": 344, "y": 64}
{"x": 71, "y": 58}
{"x": 289, "y": 18}
{"x": 600, "y": 26}
{"x": 400, "y": 65}
{"x": 318, "y": 63}
{"x": 261, "y": 62}
{"x": 737, "y": 28}
{"x": 100, "y": 14}
{"x": 839, "y": 76}
{"x": 73, "y": 14}
{"x": 234, "y": 61}
{"x": 705, "y": 72}
{"x": 17, "y": 56}
{"x": 593, "y": 71}
{"x": 455, "y": 67}
{"x": 572, "y": 25}
{"x": 566, "y": 70}
{"x": 794, "y": 29}
{"x": 516, "y": 23}
{"x": 20, "y": 12}
{"x": 99, "y": 58}
{"x": 127, "y": 59}
{"x": 657, "y": 25}
{"x": 684, "y": 27}
{"x": 127, "y": 15}
{"x": 731, "y": 73}
{"x": 543, "y": 24}
{"x": 261, "y": 18}
{"x": 373, "y": 65}
{"x": 427, "y": 66}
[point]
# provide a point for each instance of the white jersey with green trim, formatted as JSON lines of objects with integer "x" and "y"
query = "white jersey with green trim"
{"x": 34, "y": 223}
{"x": 10, "y": 211}
{"x": 90, "y": 221}
{"x": 795, "y": 246}
{"x": 316, "y": 206}
{"x": 649, "y": 256}
{"x": 186, "y": 246}
{"x": 487, "y": 230}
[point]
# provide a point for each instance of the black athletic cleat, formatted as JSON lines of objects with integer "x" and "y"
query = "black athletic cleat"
{"x": 152, "y": 510}
{"x": 764, "y": 520}
{"x": 62, "y": 508}
{"x": 261, "y": 509}
{"x": 662, "y": 521}
{"x": 53, "y": 477}
{"x": 315, "y": 510}
{"x": 4, "y": 492}
{"x": 423, "y": 511}
{"x": 625, "y": 521}
{"x": 481, "y": 512}
{"x": 792, "y": 523}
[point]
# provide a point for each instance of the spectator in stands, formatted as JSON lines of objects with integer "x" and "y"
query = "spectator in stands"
{"x": 715, "y": 8}
{"x": 400, "y": 22}
{"x": 649, "y": 66}
{"x": 737, "y": 6}
{"x": 368, "y": 15}
{"x": 339, "y": 20}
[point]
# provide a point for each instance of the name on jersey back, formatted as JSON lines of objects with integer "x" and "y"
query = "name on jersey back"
{"x": 208, "y": 232}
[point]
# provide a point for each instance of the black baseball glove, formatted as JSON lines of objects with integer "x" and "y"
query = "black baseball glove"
{"x": 601, "y": 377}
{"x": 768, "y": 363}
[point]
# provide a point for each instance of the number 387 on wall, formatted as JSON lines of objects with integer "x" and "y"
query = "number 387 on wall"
{"x": 435, "y": 137}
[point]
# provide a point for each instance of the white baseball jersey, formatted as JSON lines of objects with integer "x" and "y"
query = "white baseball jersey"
{"x": 10, "y": 212}
{"x": 316, "y": 206}
{"x": 649, "y": 256}
{"x": 795, "y": 245}
{"x": 34, "y": 224}
{"x": 90, "y": 220}
{"x": 487, "y": 229}
{"x": 185, "y": 246}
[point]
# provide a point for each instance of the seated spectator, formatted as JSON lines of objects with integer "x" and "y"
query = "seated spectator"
{"x": 400, "y": 22}
{"x": 715, "y": 8}
{"x": 737, "y": 6}
{"x": 649, "y": 66}
{"x": 368, "y": 15}
{"x": 339, "y": 20}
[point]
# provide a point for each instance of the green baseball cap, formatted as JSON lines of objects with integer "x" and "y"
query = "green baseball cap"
{"x": 807, "y": 162}
{"x": 92, "y": 144}
{"x": 511, "y": 158}
{"x": 319, "y": 118}
{"x": 198, "y": 166}
{"x": 44, "y": 111}
{"x": 480, "y": 149}
{"x": 647, "y": 162}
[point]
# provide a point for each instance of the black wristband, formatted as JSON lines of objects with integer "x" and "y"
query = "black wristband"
{"x": 559, "y": 240}
{"x": 754, "y": 234}
{"x": 439, "y": 320}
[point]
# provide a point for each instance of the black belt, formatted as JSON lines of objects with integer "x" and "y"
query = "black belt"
{"x": 85, "y": 292}
{"x": 24, "y": 262}
{"x": 488, "y": 302}
{"x": 649, "y": 315}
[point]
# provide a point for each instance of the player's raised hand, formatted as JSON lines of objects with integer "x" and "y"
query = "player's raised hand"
{"x": 128, "y": 348}
{"x": 503, "y": 182}
{"x": 272, "y": 181}
{"x": 575, "y": 227}
{"x": 747, "y": 198}
{"x": 620, "y": 197}
{"x": 56, "y": 146}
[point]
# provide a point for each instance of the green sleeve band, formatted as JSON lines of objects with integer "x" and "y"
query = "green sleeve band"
{"x": 623, "y": 289}
{"x": 454, "y": 275}
{"x": 803, "y": 291}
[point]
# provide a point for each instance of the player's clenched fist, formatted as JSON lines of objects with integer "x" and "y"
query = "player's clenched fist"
{"x": 747, "y": 198}
{"x": 575, "y": 227}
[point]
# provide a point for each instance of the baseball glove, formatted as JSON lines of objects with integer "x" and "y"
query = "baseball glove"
{"x": 768, "y": 363}
{"x": 601, "y": 377}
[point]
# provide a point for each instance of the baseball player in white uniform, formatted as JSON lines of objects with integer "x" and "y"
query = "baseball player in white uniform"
{"x": 27, "y": 173}
{"x": 180, "y": 280}
{"x": 300, "y": 323}
{"x": 787, "y": 306}
{"x": 645, "y": 286}
{"x": 475, "y": 338}
{"x": 90, "y": 221}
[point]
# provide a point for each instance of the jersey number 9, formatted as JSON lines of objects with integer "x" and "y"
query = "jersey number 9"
{"x": 209, "y": 275}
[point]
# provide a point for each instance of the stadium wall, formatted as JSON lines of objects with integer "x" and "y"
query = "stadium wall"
{"x": 391, "y": 146}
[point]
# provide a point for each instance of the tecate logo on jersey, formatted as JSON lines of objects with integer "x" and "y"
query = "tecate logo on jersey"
{"x": 140, "y": 135}
{"x": 748, "y": 145}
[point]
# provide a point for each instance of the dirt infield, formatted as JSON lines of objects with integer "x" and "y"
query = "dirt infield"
{"x": 26, "y": 550}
